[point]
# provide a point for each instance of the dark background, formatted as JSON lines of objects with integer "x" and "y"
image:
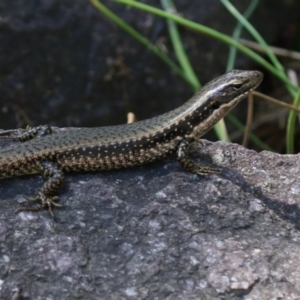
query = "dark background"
{"x": 64, "y": 64}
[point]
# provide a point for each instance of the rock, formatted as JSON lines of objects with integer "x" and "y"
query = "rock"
{"x": 158, "y": 232}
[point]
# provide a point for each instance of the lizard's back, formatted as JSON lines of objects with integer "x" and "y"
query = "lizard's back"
{"x": 91, "y": 149}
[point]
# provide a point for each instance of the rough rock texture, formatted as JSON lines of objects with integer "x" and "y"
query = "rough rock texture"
{"x": 158, "y": 232}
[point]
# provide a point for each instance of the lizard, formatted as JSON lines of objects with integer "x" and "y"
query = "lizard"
{"x": 113, "y": 147}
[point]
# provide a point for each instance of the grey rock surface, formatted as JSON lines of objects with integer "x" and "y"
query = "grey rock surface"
{"x": 158, "y": 232}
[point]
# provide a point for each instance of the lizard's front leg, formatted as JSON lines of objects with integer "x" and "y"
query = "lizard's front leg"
{"x": 54, "y": 178}
{"x": 183, "y": 156}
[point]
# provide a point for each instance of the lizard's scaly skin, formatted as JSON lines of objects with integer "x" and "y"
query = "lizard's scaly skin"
{"x": 105, "y": 148}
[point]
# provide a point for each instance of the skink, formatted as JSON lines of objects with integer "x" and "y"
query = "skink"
{"x": 106, "y": 148}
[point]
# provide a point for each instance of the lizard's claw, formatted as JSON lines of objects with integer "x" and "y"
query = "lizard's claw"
{"x": 45, "y": 202}
{"x": 202, "y": 170}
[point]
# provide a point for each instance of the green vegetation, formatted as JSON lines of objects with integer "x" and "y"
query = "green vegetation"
{"x": 185, "y": 70}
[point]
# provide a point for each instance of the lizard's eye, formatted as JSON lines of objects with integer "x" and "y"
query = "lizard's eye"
{"x": 237, "y": 86}
{"x": 215, "y": 105}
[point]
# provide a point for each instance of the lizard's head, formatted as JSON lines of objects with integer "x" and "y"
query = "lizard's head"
{"x": 218, "y": 97}
{"x": 229, "y": 89}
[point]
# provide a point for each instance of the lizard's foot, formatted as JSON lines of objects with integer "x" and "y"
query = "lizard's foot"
{"x": 202, "y": 170}
{"x": 26, "y": 134}
{"x": 185, "y": 160}
{"x": 45, "y": 202}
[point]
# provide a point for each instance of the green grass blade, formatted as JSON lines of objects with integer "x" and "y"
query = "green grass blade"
{"x": 130, "y": 30}
{"x": 253, "y": 32}
{"x": 213, "y": 33}
{"x": 184, "y": 61}
{"x": 237, "y": 33}
{"x": 181, "y": 55}
{"x": 291, "y": 119}
{"x": 291, "y": 126}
